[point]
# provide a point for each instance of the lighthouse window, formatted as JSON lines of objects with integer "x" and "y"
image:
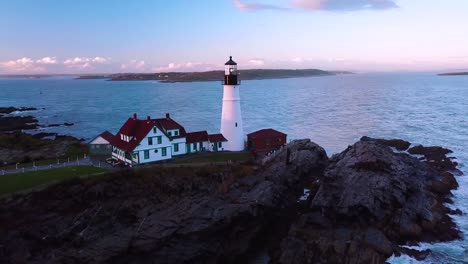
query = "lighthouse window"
{"x": 236, "y": 124}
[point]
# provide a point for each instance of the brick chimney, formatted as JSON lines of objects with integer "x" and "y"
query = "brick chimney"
{"x": 134, "y": 116}
{"x": 148, "y": 118}
{"x": 168, "y": 116}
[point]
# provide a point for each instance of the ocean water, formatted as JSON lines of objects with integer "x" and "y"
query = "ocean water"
{"x": 333, "y": 111}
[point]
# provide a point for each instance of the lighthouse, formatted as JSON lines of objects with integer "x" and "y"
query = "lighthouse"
{"x": 231, "y": 117}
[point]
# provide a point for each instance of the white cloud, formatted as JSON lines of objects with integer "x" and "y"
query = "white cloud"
{"x": 188, "y": 66}
{"x": 23, "y": 65}
{"x": 84, "y": 62}
{"x": 134, "y": 65}
{"x": 47, "y": 60}
{"x": 257, "y": 61}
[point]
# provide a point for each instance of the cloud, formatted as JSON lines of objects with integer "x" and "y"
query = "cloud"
{"x": 84, "y": 62}
{"x": 344, "y": 5}
{"x": 257, "y": 61}
{"x": 133, "y": 65}
{"x": 188, "y": 66}
{"x": 23, "y": 65}
{"x": 248, "y": 7}
{"x": 314, "y": 5}
{"x": 47, "y": 60}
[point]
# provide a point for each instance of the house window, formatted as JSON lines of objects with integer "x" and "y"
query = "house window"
{"x": 176, "y": 132}
{"x": 164, "y": 152}
{"x": 146, "y": 154}
{"x": 176, "y": 147}
{"x": 236, "y": 124}
{"x": 194, "y": 146}
{"x": 159, "y": 140}
{"x": 155, "y": 130}
{"x": 219, "y": 144}
{"x": 150, "y": 141}
{"x": 169, "y": 133}
{"x": 200, "y": 146}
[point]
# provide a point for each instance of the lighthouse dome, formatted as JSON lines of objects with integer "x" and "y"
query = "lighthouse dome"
{"x": 230, "y": 61}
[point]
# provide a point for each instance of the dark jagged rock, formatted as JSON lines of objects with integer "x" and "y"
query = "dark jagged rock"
{"x": 58, "y": 125}
{"x": 436, "y": 157}
{"x": 398, "y": 144}
{"x": 22, "y": 147}
{"x": 371, "y": 200}
{"x": 11, "y": 109}
{"x": 42, "y": 135}
{"x": 163, "y": 216}
{"x": 417, "y": 254}
{"x": 17, "y": 123}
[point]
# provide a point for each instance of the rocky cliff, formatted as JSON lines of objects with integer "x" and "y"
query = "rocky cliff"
{"x": 363, "y": 204}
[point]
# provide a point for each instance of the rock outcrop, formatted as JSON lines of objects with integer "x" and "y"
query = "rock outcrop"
{"x": 363, "y": 205}
{"x": 371, "y": 199}
{"x": 174, "y": 215}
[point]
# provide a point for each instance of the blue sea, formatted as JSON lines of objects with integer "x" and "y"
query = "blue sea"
{"x": 333, "y": 111}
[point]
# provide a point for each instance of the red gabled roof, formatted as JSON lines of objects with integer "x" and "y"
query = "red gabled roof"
{"x": 169, "y": 124}
{"x": 134, "y": 128}
{"x": 216, "y": 138}
{"x": 107, "y": 136}
{"x": 198, "y": 136}
{"x": 265, "y": 133}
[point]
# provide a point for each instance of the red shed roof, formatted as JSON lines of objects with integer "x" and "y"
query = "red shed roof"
{"x": 107, "y": 136}
{"x": 216, "y": 138}
{"x": 198, "y": 136}
{"x": 266, "y": 133}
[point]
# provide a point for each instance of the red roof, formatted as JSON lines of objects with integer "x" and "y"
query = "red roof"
{"x": 265, "y": 133}
{"x": 107, "y": 136}
{"x": 169, "y": 124}
{"x": 137, "y": 130}
{"x": 198, "y": 136}
{"x": 216, "y": 138}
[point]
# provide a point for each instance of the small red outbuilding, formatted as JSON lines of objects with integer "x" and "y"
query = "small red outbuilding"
{"x": 265, "y": 140}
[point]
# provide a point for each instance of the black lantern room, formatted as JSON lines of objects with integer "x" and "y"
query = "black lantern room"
{"x": 230, "y": 72}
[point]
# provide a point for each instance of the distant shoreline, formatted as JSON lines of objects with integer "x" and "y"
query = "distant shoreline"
{"x": 453, "y": 74}
{"x": 173, "y": 77}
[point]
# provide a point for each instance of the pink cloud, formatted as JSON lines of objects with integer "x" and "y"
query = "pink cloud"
{"x": 252, "y": 6}
{"x": 47, "y": 60}
{"x": 134, "y": 65}
{"x": 23, "y": 65}
{"x": 313, "y": 5}
{"x": 188, "y": 66}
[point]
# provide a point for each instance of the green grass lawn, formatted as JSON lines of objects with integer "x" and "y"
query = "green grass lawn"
{"x": 23, "y": 181}
{"x": 216, "y": 157}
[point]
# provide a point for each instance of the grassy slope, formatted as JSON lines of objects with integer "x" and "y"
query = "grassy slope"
{"x": 216, "y": 157}
{"x": 27, "y": 180}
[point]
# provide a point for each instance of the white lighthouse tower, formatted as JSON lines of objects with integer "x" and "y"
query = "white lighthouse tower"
{"x": 231, "y": 117}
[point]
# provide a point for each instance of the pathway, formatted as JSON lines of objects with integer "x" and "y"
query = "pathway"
{"x": 81, "y": 162}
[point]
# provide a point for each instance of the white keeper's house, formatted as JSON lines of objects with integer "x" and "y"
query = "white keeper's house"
{"x": 147, "y": 140}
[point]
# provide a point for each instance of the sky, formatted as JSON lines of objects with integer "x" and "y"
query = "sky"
{"x": 112, "y": 36}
